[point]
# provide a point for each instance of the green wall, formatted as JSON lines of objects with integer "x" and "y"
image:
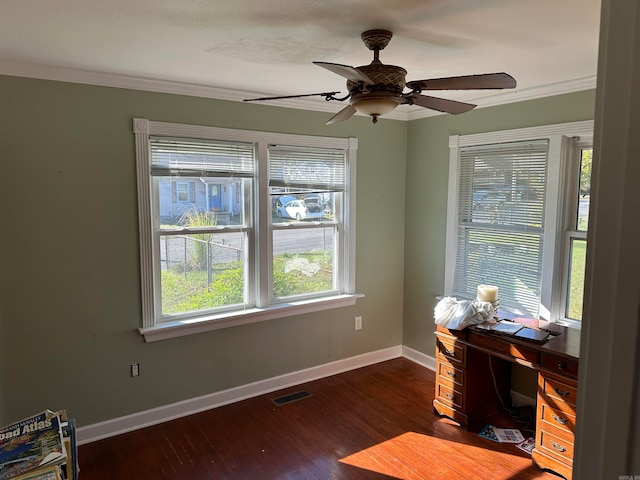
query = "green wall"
{"x": 426, "y": 200}
{"x": 70, "y": 283}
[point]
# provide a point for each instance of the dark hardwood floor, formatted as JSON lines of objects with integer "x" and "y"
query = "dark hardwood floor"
{"x": 374, "y": 423}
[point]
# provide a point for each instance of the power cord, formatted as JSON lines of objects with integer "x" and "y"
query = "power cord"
{"x": 523, "y": 414}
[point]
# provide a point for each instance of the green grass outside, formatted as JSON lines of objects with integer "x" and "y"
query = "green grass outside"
{"x": 576, "y": 279}
{"x": 187, "y": 293}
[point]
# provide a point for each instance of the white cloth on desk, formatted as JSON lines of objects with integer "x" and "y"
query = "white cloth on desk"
{"x": 457, "y": 314}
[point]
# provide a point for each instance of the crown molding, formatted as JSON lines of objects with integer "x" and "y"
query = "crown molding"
{"x": 519, "y": 95}
{"x": 45, "y": 72}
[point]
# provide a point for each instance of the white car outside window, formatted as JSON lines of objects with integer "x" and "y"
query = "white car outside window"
{"x": 301, "y": 210}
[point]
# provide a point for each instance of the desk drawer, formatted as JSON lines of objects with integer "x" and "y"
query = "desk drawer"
{"x": 499, "y": 345}
{"x": 559, "y": 365}
{"x": 449, "y": 396}
{"x": 558, "y": 391}
{"x": 451, "y": 350}
{"x": 449, "y": 374}
{"x": 562, "y": 419}
{"x": 556, "y": 447}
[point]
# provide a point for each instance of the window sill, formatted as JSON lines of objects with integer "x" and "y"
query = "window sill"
{"x": 180, "y": 328}
{"x": 570, "y": 323}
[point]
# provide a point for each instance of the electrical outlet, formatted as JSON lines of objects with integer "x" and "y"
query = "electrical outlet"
{"x": 358, "y": 322}
{"x": 135, "y": 369}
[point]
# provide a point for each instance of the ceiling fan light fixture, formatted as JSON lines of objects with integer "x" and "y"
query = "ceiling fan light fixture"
{"x": 375, "y": 105}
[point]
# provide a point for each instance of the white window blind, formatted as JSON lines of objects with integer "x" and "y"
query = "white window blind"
{"x": 200, "y": 158}
{"x": 307, "y": 168}
{"x": 500, "y": 226}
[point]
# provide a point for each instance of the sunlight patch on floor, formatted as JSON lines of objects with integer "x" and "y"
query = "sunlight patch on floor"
{"x": 414, "y": 456}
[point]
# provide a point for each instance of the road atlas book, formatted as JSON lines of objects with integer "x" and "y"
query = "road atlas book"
{"x": 31, "y": 444}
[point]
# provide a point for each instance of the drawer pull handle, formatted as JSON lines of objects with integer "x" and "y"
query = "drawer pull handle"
{"x": 451, "y": 374}
{"x": 562, "y": 366}
{"x": 561, "y": 392}
{"x": 560, "y": 420}
{"x": 450, "y": 352}
{"x": 448, "y": 395}
{"x": 558, "y": 447}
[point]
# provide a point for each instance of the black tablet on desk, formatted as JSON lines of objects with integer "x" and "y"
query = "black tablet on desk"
{"x": 538, "y": 336}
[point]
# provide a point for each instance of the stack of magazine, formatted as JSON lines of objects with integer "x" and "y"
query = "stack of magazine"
{"x": 508, "y": 435}
{"x": 41, "y": 447}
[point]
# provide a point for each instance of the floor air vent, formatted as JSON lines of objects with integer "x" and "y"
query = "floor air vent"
{"x": 291, "y": 397}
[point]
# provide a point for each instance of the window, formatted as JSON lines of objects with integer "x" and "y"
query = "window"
{"x": 508, "y": 223}
{"x": 239, "y": 227}
{"x": 500, "y": 221}
{"x": 577, "y": 223}
{"x": 181, "y": 192}
{"x": 201, "y": 259}
{"x": 305, "y": 184}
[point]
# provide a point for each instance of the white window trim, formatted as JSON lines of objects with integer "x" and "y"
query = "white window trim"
{"x": 571, "y": 200}
{"x": 143, "y": 129}
{"x": 560, "y": 138}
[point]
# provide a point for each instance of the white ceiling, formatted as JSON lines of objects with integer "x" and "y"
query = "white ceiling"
{"x": 242, "y": 48}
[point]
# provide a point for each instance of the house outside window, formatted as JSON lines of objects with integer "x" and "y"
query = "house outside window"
{"x": 517, "y": 210}
{"x": 239, "y": 227}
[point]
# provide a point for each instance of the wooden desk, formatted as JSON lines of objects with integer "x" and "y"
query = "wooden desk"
{"x": 473, "y": 374}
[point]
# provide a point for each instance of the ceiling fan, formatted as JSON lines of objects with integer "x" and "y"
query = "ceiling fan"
{"x": 376, "y": 89}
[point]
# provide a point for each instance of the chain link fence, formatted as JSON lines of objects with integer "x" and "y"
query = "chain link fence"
{"x": 196, "y": 254}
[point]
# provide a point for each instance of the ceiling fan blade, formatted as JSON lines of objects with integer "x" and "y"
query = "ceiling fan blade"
{"x": 350, "y": 73}
{"x": 466, "y": 82}
{"x": 440, "y": 104}
{"x": 344, "y": 114}
{"x": 326, "y": 95}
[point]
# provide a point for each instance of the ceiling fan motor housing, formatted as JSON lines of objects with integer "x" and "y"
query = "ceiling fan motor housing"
{"x": 390, "y": 78}
{"x": 383, "y": 95}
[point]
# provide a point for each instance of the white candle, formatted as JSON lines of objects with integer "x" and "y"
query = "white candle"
{"x": 487, "y": 293}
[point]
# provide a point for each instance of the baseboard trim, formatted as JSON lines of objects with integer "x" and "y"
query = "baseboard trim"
{"x": 420, "y": 358}
{"x": 128, "y": 423}
{"x": 521, "y": 400}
